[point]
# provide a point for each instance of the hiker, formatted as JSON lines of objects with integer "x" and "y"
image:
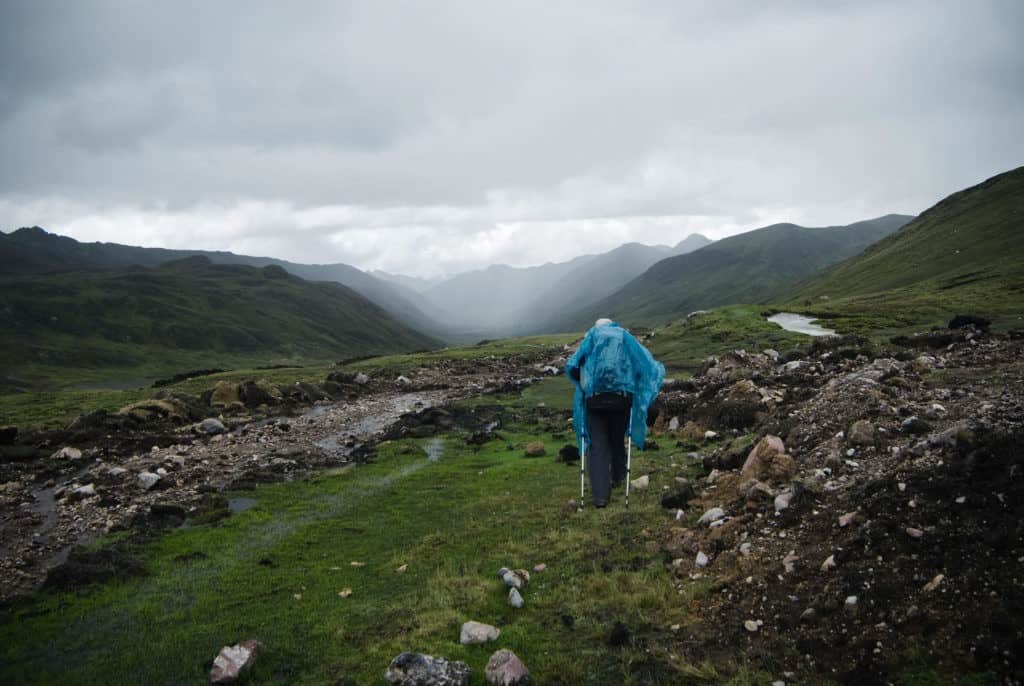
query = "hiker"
{"x": 616, "y": 381}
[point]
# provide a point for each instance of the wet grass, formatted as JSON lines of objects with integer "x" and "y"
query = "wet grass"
{"x": 274, "y": 572}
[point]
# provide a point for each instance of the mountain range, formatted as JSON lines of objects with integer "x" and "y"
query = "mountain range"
{"x": 751, "y": 267}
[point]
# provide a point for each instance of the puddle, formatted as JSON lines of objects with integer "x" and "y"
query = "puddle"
{"x": 237, "y": 505}
{"x": 800, "y": 324}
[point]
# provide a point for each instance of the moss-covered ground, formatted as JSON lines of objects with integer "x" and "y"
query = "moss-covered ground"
{"x": 274, "y": 573}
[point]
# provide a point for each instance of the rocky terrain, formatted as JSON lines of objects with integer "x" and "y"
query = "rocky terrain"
{"x": 160, "y": 462}
{"x": 861, "y": 508}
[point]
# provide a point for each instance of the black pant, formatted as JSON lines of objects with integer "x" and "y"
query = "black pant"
{"x": 606, "y": 452}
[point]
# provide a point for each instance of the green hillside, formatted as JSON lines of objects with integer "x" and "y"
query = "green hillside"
{"x": 749, "y": 268}
{"x": 964, "y": 255}
{"x": 139, "y": 322}
{"x": 36, "y": 251}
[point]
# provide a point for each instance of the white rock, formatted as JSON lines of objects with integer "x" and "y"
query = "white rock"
{"x": 934, "y": 583}
{"x": 710, "y": 435}
{"x": 68, "y": 453}
{"x": 477, "y": 632}
{"x": 751, "y": 626}
{"x": 850, "y": 604}
{"x": 829, "y": 563}
{"x": 746, "y": 549}
{"x": 713, "y": 476}
{"x": 712, "y": 515}
{"x": 147, "y": 480}
{"x": 514, "y": 598}
{"x": 641, "y": 483}
{"x": 782, "y": 501}
{"x": 702, "y": 560}
{"x": 117, "y": 471}
{"x": 86, "y": 491}
{"x": 403, "y": 380}
{"x": 846, "y": 519}
{"x": 673, "y": 424}
{"x": 233, "y": 661}
{"x": 362, "y": 379}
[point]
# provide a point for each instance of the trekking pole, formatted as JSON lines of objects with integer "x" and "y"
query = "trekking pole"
{"x": 583, "y": 467}
{"x": 629, "y": 455}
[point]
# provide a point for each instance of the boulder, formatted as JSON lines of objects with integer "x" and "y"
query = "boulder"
{"x": 514, "y": 578}
{"x": 514, "y": 598}
{"x": 211, "y": 427}
{"x": 416, "y": 669}
{"x": 506, "y": 669}
{"x": 963, "y": 321}
{"x": 232, "y": 662}
{"x": 862, "y": 433}
{"x": 473, "y": 633}
{"x": 157, "y": 408}
{"x": 225, "y": 394}
{"x": 535, "y": 449}
{"x": 147, "y": 480}
{"x": 678, "y": 497}
{"x": 568, "y": 454}
{"x": 769, "y": 462}
{"x": 256, "y": 393}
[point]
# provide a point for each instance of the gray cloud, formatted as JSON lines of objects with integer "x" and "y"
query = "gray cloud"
{"x": 451, "y": 122}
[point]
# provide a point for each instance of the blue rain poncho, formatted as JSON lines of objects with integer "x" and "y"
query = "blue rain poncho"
{"x": 610, "y": 359}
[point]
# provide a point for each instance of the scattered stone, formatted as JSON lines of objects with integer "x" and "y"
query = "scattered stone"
{"x": 862, "y": 433}
{"x": 746, "y": 549}
{"x": 82, "y": 492}
{"x": 712, "y": 515}
{"x": 782, "y": 501}
{"x": 673, "y": 424}
{"x": 539, "y": 567}
{"x": 768, "y": 461}
{"x": 233, "y": 662}
{"x": 809, "y": 616}
{"x": 914, "y": 533}
{"x": 473, "y": 633}
{"x": 514, "y": 598}
{"x": 751, "y": 626}
{"x": 506, "y": 669}
{"x": 402, "y": 569}
{"x": 702, "y": 560}
{"x": 641, "y": 483}
{"x": 345, "y": 593}
{"x": 679, "y": 496}
{"x": 789, "y": 562}
{"x": 710, "y": 435}
{"x": 416, "y": 669}
{"x": 211, "y": 427}
{"x": 361, "y": 379}
{"x": 535, "y": 449}
{"x": 514, "y": 578}
{"x": 403, "y": 381}
{"x": 847, "y": 519}
{"x": 934, "y": 583}
{"x": 850, "y": 604}
{"x": 147, "y": 480}
{"x": 568, "y": 454}
{"x": 829, "y": 563}
{"x": 67, "y": 453}
{"x": 915, "y": 425}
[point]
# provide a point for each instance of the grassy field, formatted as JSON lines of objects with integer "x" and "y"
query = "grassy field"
{"x": 274, "y": 573}
{"x": 684, "y": 344}
{"x": 53, "y": 408}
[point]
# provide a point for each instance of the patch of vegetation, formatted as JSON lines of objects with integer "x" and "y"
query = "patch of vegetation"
{"x": 274, "y": 573}
{"x": 683, "y": 345}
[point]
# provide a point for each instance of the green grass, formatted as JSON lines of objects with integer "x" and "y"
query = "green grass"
{"x": 683, "y": 345}
{"x": 53, "y": 408}
{"x": 504, "y": 347}
{"x": 454, "y": 522}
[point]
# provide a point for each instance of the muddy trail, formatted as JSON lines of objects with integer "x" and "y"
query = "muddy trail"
{"x": 173, "y": 459}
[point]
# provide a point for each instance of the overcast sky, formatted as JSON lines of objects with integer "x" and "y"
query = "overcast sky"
{"x": 433, "y": 137}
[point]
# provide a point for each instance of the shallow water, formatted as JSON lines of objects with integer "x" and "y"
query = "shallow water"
{"x": 800, "y": 324}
